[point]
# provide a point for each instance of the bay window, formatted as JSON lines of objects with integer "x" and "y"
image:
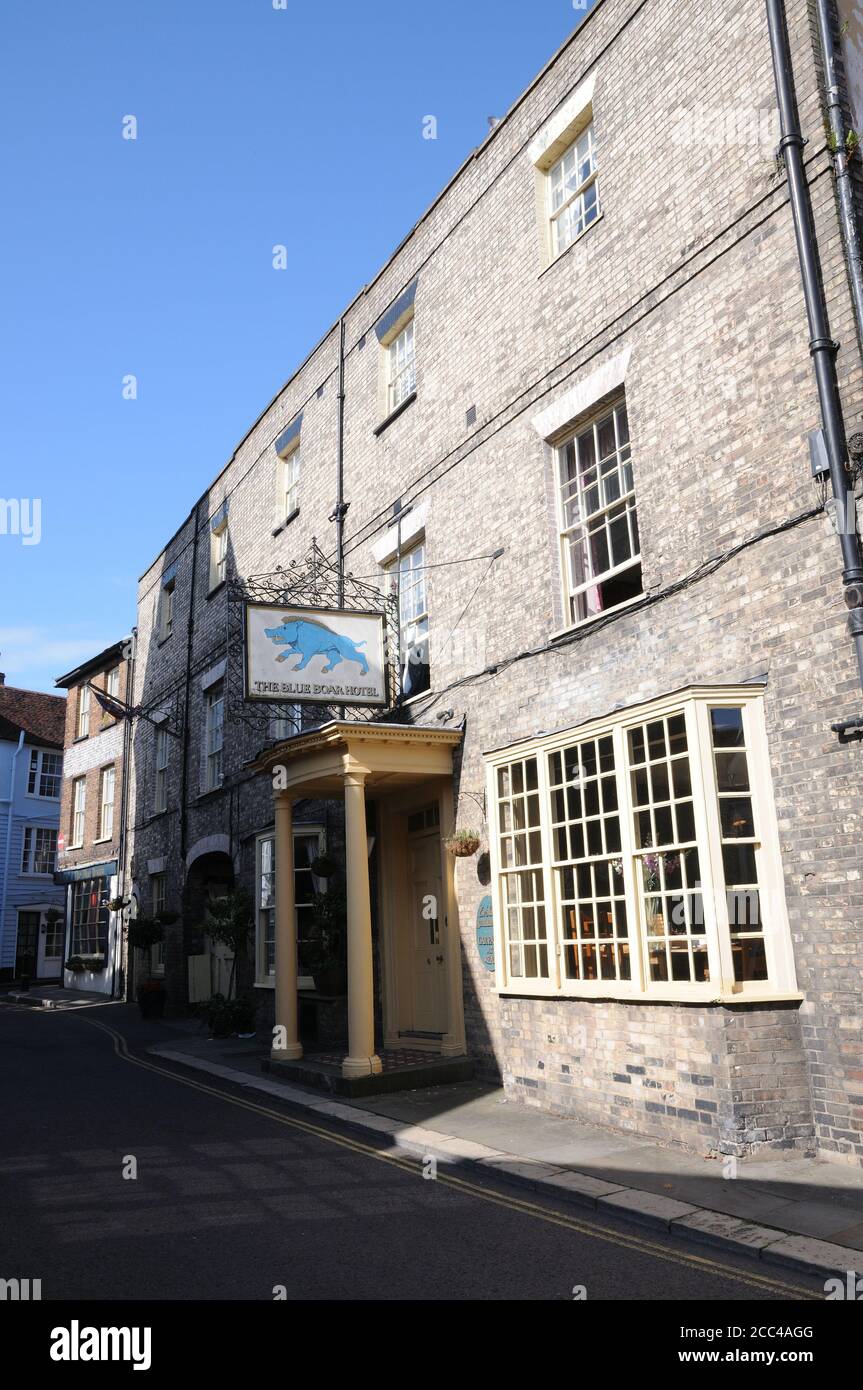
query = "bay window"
{"x": 639, "y": 857}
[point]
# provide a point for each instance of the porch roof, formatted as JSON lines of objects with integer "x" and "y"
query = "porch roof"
{"x": 315, "y": 763}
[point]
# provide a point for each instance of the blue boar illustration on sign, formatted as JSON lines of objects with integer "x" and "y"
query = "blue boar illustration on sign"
{"x": 307, "y": 638}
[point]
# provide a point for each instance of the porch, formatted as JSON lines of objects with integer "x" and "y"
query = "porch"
{"x": 407, "y": 772}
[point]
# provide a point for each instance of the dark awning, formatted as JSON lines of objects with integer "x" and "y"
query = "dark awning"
{"x": 86, "y": 871}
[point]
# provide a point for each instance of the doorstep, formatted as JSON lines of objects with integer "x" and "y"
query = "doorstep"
{"x": 401, "y": 1070}
{"x": 793, "y": 1212}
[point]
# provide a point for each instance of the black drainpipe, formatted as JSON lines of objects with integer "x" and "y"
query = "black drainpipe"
{"x": 821, "y": 346}
{"x": 841, "y": 161}
{"x": 184, "y": 771}
{"x": 341, "y": 510}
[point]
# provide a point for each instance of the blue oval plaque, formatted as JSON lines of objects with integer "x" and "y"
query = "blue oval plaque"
{"x": 485, "y": 932}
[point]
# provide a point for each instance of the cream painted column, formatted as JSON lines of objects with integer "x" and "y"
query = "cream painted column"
{"x": 453, "y": 1042}
{"x": 287, "y": 1009}
{"x": 361, "y": 1059}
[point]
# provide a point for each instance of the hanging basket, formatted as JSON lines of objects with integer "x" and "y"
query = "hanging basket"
{"x": 464, "y": 844}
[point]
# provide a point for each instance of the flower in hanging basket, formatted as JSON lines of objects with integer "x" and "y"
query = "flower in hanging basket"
{"x": 324, "y": 866}
{"x": 145, "y": 932}
{"x": 464, "y": 843}
{"x": 167, "y": 917}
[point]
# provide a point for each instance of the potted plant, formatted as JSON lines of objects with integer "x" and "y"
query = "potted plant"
{"x": 225, "y": 1017}
{"x": 325, "y": 946}
{"x": 151, "y": 998}
{"x": 464, "y": 843}
{"x": 76, "y": 965}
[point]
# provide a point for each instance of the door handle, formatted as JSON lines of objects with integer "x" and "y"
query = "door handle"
{"x": 439, "y": 960}
{"x": 428, "y": 960}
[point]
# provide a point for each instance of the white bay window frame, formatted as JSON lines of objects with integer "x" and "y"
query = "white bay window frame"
{"x": 694, "y": 704}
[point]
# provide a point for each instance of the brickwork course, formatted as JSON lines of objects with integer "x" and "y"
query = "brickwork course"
{"x": 692, "y": 269}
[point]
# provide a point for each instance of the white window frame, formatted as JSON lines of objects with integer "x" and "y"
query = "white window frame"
{"x": 401, "y": 580}
{"x": 401, "y": 367}
{"x": 695, "y": 703}
{"x": 158, "y": 891}
{"x": 160, "y": 779}
{"x": 264, "y": 978}
{"x": 289, "y": 485}
{"x": 29, "y": 851}
{"x": 112, "y": 682}
{"x": 218, "y": 555}
{"x": 82, "y": 724}
{"x": 582, "y": 151}
{"x": 600, "y": 517}
{"x": 79, "y": 812}
{"x": 107, "y": 783}
{"x": 36, "y": 774}
{"x": 214, "y": 737}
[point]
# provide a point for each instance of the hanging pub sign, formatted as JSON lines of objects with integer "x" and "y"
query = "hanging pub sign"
{"x": 319, "y": 655}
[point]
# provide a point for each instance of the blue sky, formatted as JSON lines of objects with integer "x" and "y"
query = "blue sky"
{"x": 153, "y": 257}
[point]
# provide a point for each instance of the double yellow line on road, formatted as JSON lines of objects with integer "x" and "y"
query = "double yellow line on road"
{"x": 553, "y": 1218}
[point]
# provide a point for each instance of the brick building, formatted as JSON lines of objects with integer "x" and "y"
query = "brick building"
{"x": 92, "y": 819}
{"x": 574, "y": 440}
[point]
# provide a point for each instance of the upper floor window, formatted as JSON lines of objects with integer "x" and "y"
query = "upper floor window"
{"x": 45, "y": 774}
{"x": 106, "y": 803}
{"x": 214, "y": 736}
{"x": 40, "y": 850}
{"x": 160, "y": 785}
{"x": 290, "y": 498}
{"x": 112, "y": 683}
{"x": 166, "y": 610}
{"x": 641, "y": 857}
{"x": 83, "y": 726}
{"x": 401, "y": 368}
{"x": 600, "y": 550}
{"x": 407, "y": 579}
{"x": 79, "y": 806}
{"x": 573, "y": 191}
{"x": 219, "y": 556}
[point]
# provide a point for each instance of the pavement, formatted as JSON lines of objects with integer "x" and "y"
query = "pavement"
{"x": 128, "y": 1176}
{"x": 794, "y": 1211}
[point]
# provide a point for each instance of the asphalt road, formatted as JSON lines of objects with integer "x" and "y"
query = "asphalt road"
{"x": 235, "y": 1197}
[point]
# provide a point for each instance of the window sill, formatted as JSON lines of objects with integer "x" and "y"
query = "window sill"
{"x": 394, "y": 414}
{"x": 555, "y": 260}
{"x": 104, "y": 840}
{"x": 211, "y": 791}
{"x": 287, "y": 521}
{"x": 216, "y": 589}
{"x": 81, "y": 738}
{"x": 670, "y": 996}
{"x": 160, "y": 641}
{"x": 596, "y": 618}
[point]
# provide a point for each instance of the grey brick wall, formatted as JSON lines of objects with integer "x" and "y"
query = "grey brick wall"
{"x": 693, "y": 269}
